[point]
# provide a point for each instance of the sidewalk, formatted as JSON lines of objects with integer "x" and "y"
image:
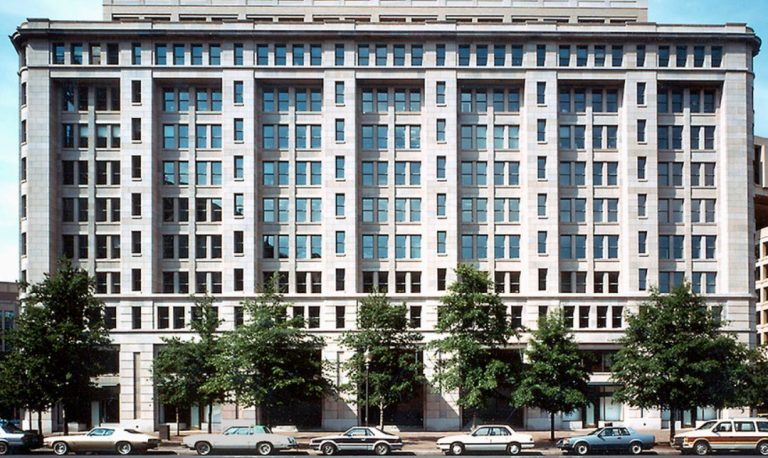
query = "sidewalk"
{"x": 423, "y": 442}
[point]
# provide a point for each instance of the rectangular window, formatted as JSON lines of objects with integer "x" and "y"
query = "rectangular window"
{"x": 541, "y": 55}
{"x": 541, "y": 130}
{"x": 564, "y": 55}
{"x": 238, "y": 54}
{"x": 440, "y": 55}
{"x": 640, "y": 56}
{"x": 338, "y": 55}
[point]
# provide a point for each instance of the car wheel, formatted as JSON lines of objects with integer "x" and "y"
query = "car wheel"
{"x": 328, "y": 449}
{"x": 701, "y": 448}
{"x": 3, "y": 448}
{"x": 457, "y": 448}
{"x": 582, "y": 448}
{"x": 514, "y": 448}
{"x": 124, "y": 448}
{"x": 381, "y": 449}
{"x": 203, "y": 448}
{"x": 265, "y": 448}
{"x": 635, "y": 448}
{"x": 762, "y": 448}
{"x": 60, "y": 448}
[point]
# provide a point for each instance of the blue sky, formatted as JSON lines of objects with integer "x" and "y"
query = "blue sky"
{"x": 12, "y": 13}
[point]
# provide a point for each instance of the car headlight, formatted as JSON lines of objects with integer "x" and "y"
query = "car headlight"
{"x": 566, "y": 442}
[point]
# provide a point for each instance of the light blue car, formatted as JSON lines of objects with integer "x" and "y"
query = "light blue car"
{"x": 615, "y": 439}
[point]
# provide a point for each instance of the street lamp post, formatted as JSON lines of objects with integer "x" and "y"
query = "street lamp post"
{"x": 367, "y": 366}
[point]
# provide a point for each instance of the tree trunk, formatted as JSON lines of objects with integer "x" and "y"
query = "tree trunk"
{"x": 210, "y": 418}
{"x": 39, "y": 421}
{"x": 30, "y": 418}
{"x": 474, "y": 419}
{"x": 672, "y": 420}
{"x": 381, "y": 416}
{"x": 258, "y": 415}
{"x": 552, "y": 426}
{"x": 178, "y": 433}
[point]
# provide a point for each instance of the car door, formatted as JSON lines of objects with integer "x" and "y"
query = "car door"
{"x": 622, "y": 438}
{"x": 723, "y": 436}
{"x": 745, "y": 435}
{"x": 499, "y": 439}
{"x": 355, "y": 439}
{"x": 481, "y": 439}
{"x": 604, "y": 441}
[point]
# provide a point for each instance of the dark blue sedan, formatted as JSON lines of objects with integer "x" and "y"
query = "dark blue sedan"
{"x": 615, "y": 439}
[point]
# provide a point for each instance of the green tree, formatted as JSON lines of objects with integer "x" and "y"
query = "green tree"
{"x": 182, "y": 367}
{"x": 474, "y": 323}
{"x": 25, "y": 381}
{"x": 750, "y": 382}
{"x": 384, "y": 342}
{"x": 71, "y": 326}
{"x": 270, "y": 360}
{"x": 555, "y": 377}
{"x": 675, "y": 356}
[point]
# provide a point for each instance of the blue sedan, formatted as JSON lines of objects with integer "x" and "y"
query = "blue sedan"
{"x": 614, "y": 439}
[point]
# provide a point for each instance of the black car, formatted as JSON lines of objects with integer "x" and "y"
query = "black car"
{"x": 13, "y": 439}
{"x": 358, "y": 438}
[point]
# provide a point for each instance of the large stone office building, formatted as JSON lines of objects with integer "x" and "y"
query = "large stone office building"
{"x": 574, "y": 151}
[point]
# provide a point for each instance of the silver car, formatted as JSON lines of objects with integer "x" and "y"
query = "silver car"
{"x": 241, "y": 439}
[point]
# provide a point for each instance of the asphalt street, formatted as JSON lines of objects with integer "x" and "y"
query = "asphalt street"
{"x": 304, "y": 455}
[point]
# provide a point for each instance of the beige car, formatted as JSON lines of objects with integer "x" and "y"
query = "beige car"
{"x": 103, "y": 439}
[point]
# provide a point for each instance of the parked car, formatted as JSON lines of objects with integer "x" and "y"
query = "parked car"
{"x": 13, "y": 439}
{"x": 103, "y": 439}
{"x": 610, "y": 439}
{"x": 486, "y": 438}
{"x": 256, "y": 438}
{"x": 358, "y": 438}
{"x": 742, "y": 434}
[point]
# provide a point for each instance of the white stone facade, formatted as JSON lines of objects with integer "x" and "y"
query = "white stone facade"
{"x": 544, "y": 152}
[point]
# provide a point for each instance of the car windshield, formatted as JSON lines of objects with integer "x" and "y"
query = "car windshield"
{"x": 707, "y": 425}
{"x": 132, "y": 431}
{"x": 595, "y": 432}
{"x": 10, "y": 428}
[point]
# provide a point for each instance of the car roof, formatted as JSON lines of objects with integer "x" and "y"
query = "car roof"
{"x": 742, "y": 419}
{"x": 493, "y": 426}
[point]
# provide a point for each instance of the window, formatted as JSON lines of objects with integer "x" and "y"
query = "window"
{"x": 640, "y": 56}
{"x": 238, "y": 54}
{"x": 717, "y": 56}
{"x": 381, "y": 55}
{"x": 617, "y": 56}
{"x": 440, "y": 55}
{"x": 135, "y": 316}
{"x": 541, "y": 205}
{"x": 441, "y": 205}
{"x": 681, "y": 56}
{"x": 76, "y": 53}
{"x": 541, "y": 130}
{"x": 363, "y": 53}
{"x": 573, "y": 247}
{"x": 340, "y": 167}
{"x": 542, "y": 283}
{"x": 340, "y": 311}
{"x": 599, "y": 56}
{"x": 338, "y": 55}
{"x": 541, "y": 242}
{"x": 340, "y": 242}
{"x": 58, "y": 54}
{"x": 340, "y": 204}
{"x": 464, "y": 55}
{"x": 564, "y": 56}
{"x": 178, "y": 54}
{"x": 197, "y": 55}
{"x": 340, "y": 279}
{"x": 315, "y": 55}
{"x": 440, "y": 92}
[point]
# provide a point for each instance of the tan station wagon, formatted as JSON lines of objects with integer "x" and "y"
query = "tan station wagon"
{"x": 739, "y": 434}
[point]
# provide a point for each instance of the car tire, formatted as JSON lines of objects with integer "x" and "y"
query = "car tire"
{"x": 124, "y": 448}
{"x": 4, "y": 449}
{"x": 514, "y": 448}
{"x": 265, "y": 448}
{"x": 381, "y": 449}
{"x": 328, "y": 449}
{"x": 581, "y": 448}
{"x": 60, "y": 448}
{"x": 762, "y": 448}
{"x": 701, "y": 448}
{"x": 635, "y": 448}
{"x": 203, "y": 448}
{"x": 457, "y": 448}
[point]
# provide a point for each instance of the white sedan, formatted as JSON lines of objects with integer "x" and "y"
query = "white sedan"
{"x": 240, "y": 438}
{"x": 486, "y": 438}
{"x": 103, "y": 439}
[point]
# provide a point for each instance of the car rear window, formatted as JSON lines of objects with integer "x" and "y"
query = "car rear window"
{"x": 11, "y": 429}
{"x": 744, "y": 426}
{"x": 762, "y": 426}
{"x": 130, "y": 431}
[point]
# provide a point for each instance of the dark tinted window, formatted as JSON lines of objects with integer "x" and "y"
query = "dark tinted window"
{"x": 744, "y": 426}
{"x": 762, "y": 426}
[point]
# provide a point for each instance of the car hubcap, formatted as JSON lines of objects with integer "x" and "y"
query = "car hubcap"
{"x": 456, "y": 449}
{"x": 514, "y": 449}
{"x": 203, "y": 449}
{"x": 125, "y": 449}
{"x": 701, "y": 449}
{"x": 3, "y": 449}
{"x": 328, "y": 449}
{"x": 60, "y": 449}
{"x": 381, "y": 450}
{"x": 582, "y": 449}
{"x": 265, "y": 449}
{"x": 764, "y": 449}
{"x": 636, "y": 449}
